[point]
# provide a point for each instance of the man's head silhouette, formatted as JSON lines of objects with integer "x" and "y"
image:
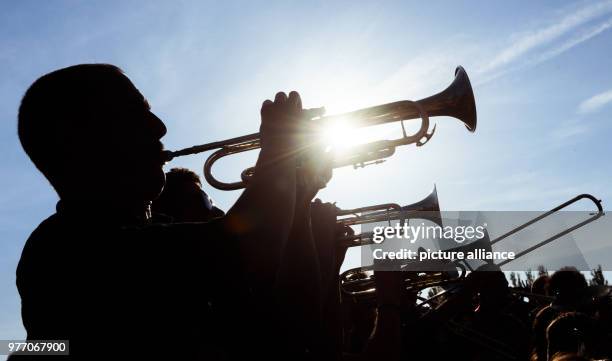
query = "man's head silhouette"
{"x": 89, "y": 122}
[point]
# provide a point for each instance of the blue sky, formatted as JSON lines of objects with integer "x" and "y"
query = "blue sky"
{"x": 540, "y": 71}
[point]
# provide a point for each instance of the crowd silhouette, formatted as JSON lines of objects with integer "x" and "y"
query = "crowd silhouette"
{"x": 140, "y": 264}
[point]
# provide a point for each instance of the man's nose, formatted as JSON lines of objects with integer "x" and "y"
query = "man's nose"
{"x": 158, "y": 127}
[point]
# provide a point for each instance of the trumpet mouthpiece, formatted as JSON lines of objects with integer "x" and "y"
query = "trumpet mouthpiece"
{"x": 167, "y": 156}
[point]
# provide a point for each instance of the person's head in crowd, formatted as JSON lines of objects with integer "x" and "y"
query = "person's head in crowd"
{"x": 93, "y": 135}
{"x": 540, "y": 288}
{"x": 183, "y": 198}
{"x": 568, "y": 287}
{"x": 540, "y": 285}
{"x": 491, "y": 287}
{"x": 570, "y": 333}
{"x": 601, "y": 304}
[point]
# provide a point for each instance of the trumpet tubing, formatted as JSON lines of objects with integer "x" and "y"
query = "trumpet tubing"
{"x": 359, "y": 283}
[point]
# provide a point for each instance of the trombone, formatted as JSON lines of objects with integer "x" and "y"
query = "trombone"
{"x": 359, "y": 282}
{"x": 457, "y": 101}
{"x": 594, "y": 216}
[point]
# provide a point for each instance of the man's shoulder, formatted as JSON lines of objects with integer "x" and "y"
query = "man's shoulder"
{"x": 47, "y": 231}
{"x": 40, "y": 247}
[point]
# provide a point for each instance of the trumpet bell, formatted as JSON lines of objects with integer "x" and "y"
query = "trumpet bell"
{"x": 428, "y": 208}
{"x": 457, "y": 101}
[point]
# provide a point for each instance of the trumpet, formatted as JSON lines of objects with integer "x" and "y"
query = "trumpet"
{"x": 427, "y": 208}
{"x": 457, "y": 101}
{"x": 358, "y": 283}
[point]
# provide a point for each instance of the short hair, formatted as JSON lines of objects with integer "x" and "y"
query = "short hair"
{"x": 540, "y": 285}
{"x": 56, "y": 105}
{"x": 567, "y": 284}
{"x": 178, "y": 174}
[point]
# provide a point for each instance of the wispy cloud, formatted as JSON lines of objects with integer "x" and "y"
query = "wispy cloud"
{"x": 548, "y": 41}
{"x": 595, "y": 102}
{"x": 570, "y": 43}
{"x": 525, "y": 48}
{"x": 566, "y": 130}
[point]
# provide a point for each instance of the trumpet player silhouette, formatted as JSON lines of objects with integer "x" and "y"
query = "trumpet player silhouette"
{"x": 99, "y": 274}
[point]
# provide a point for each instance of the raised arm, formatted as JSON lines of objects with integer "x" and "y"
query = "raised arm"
{"x": 262, "y": 217}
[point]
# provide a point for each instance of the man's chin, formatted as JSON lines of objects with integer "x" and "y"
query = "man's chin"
{"x": 158, "y": 181}
{"x": 152, "y": 183}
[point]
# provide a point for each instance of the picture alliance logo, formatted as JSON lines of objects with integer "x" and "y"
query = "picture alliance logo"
{"x": 458, "y": 234}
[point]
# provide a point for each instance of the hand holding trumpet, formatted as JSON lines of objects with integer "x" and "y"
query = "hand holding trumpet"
{"x": 281, "y": 125}
{"x": 287, "y": 134}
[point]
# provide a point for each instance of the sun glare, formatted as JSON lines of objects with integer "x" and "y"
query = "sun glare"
{"x": 339, "y": 135}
